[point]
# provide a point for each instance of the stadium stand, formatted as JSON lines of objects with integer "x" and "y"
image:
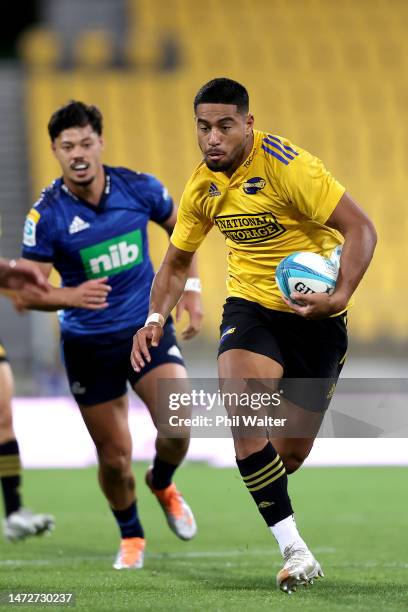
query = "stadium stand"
{"x": 327, "y": 75}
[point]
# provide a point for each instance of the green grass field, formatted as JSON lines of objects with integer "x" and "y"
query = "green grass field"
{"x": 355, "y": 520}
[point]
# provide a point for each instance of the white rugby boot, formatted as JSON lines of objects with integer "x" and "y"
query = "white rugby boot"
{"x": 23, "y": 523}
{"x": 300, "y": 568}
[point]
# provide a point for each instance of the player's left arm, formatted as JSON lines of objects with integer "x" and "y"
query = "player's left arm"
{"x": 191, "y": 298}
{"x": 360, "y": 239}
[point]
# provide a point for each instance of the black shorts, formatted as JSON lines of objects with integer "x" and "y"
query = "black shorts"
{"x": 3, "y": 352}
{"x": 98, "y": 367}
{"x": 311, "y": 352}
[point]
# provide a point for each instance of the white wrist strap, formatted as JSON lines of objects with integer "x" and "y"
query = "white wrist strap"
{"x": 155, "y": 317}
{"x": 193, "y": 284}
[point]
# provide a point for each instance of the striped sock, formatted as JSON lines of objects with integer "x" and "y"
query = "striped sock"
{"x": 265, "y": 478}
{"x": 10, "y": 476}
{"x": 128, "y": 522}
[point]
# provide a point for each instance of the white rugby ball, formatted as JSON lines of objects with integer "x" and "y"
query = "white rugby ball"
{"x": 306, "y": 273}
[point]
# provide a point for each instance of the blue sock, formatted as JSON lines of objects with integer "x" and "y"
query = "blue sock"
{"x": 162, "y": 473}
{"x": 128, "y": 522}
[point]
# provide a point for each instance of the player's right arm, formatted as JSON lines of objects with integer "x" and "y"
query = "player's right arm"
{"x": 91, "y": 294}
{"x": 190, "y": 230}
{"x": 167, "y": 289}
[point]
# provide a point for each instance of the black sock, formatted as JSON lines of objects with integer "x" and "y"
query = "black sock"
{"x": 10, "y": 475}
{"x": 128, "y": 522}
{"x": 162, "y": 473}
{"x": 265, "y": 477}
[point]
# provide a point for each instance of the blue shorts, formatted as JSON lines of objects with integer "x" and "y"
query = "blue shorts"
{"x": 98, "y": 367}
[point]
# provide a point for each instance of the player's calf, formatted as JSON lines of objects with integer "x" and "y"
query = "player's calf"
{"x": 265, "y": 477}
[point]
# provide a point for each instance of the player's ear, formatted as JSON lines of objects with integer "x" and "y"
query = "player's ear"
{"x": 249, "y": 122}
{"x": 53, "y": 147}
{"x": 102, "y": 142}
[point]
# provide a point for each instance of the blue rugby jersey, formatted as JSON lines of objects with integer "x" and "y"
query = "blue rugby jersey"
{"x": 85, "y": 242}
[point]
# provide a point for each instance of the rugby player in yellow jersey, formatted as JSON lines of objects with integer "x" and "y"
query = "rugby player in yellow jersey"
{"x": 19, "y": 522}
{"x": 269, "y": 198}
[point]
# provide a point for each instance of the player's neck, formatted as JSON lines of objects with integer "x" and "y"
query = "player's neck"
{"x": 91, "y": 193}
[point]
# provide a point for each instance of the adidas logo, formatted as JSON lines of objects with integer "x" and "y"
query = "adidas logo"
{"x": 78, "y": 225}
{"x": 213, "y": 190}
{"x": 174, "y": 351}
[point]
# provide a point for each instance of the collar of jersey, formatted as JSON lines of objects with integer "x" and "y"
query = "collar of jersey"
{"x": 242, "y": 170}
{"x": 102, "y": 202}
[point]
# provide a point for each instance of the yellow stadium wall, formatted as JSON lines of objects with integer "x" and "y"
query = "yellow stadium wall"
{"x": 326, "y": 74}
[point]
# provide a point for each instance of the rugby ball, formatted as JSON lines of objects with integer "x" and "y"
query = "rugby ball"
{"x": 306, "y": 273}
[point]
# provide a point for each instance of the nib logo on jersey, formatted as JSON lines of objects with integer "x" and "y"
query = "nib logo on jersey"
{"x": 113, "y": 256}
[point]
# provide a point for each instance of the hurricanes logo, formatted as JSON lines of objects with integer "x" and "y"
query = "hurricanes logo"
{"x": 249, "y": 228}
{"x": 253, "y": 185}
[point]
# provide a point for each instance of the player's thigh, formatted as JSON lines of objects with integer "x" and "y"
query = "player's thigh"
{"x": 244, "y": 364}
{"x": 249, "y": 365}
{"x": 155, "y": 386}
{"x": 247, "y": 347}
{"x": 313, "y": 353}
{"x": 164, "y": 373}
{"x": 6, "y": 392}
{"x": 108, "y": 426}
{"x": 97, "y": 366}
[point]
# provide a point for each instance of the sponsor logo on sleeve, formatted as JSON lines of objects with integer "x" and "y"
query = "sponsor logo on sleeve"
{"x": 30, "y": 225}
{"x": 29, "y": 233}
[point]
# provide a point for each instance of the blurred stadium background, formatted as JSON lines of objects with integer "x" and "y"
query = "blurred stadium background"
{"x": 326, "y": 74}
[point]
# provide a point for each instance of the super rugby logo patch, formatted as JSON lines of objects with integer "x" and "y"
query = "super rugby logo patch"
{"x": 249, "y": 228}
{"x": 30, "y": 228}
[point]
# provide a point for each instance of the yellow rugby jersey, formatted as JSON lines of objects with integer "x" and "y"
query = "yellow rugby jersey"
{"x": 274, "y": 204}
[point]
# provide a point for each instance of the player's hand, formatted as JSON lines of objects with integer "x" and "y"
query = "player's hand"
{"x": 144, "y": 338}
{"x": 92, "y": 294}
{"x": 17, "y": 275}
{"x": 315, "y": 305}
{"x": 191, "y": 302}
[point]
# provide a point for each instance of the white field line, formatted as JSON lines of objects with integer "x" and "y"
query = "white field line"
{"x": 205, "y": 554}
{"x": 215, "y": 554}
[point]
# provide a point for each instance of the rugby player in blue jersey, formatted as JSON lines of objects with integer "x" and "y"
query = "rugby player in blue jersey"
{"x": 91, "y": 225}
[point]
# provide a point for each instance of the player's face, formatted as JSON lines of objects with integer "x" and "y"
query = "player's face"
{"x": 225, "y": 136}
{"x": 79, "y": 150}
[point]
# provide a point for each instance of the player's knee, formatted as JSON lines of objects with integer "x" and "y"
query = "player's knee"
{"x": 178, "y": 446}
{"x": 6, "y": 421}
{"x": 114, "y": 460}
{"x": 292, "y": 461}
